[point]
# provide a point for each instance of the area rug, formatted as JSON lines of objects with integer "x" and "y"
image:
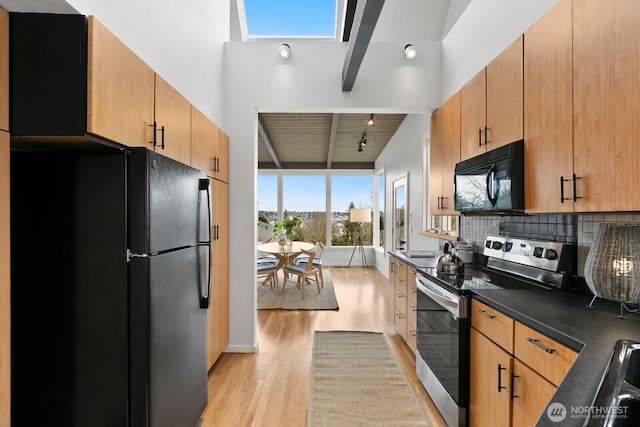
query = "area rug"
{"x": 356, "y": 381}
{"x": 291, "y": 298}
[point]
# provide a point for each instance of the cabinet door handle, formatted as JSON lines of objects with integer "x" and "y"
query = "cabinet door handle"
{"x": 442, "y": 205}
{"x": 575, "y": 178}
{"x": 480, "y": 137}
{"x": 513, "y": 376}
{"x": 540, "y": 345}
{"x": 162, "y": 137}
{"x": 500, "y": 386}
{"x": 486, "y": 135}
{"x": 562, "y": 180}
{"x": 155, "y": 130}
{"x": 487, "y": 315}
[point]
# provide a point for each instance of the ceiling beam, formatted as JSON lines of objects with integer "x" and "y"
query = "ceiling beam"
{"x": 364, "y": 22}
{"x": 266, "y": 138}
{"x": 332, "y": 139}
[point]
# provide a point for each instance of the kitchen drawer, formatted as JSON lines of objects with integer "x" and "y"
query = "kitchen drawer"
{"x": 548, "y": 357}
{"x": 401, "y": 302}
{"x": 411, "y": 337}
{"x": 400, "y": 322}
{"x": 401, "y": 277}
{"x": 412, "y": 295}
{"x": 493, "y": 324}
{"x": 412, "y": 314}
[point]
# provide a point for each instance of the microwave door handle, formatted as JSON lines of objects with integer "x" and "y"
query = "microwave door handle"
{"x": 491, "y": 185}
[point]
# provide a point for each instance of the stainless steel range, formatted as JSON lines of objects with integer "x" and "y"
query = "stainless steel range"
{"x": 442, "y": 359}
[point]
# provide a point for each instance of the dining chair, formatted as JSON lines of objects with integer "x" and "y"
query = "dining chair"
{"x": 304, "y": 271}
{"x": 317, "y": 260}
{"x": 269, "y": 272}
{"x": 266, "y": 258}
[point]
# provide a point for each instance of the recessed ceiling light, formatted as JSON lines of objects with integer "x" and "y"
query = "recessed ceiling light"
{"x": 410, "y": 51}
{"x": 284, "y": 50}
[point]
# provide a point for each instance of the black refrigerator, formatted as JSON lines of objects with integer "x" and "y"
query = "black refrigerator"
{"x": 111, "y": 274}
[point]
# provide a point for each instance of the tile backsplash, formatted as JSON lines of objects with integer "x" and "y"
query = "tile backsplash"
{"x": 577, "y": 229}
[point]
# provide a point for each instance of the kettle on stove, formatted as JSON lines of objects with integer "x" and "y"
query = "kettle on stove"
{"x": 449, "y": 262}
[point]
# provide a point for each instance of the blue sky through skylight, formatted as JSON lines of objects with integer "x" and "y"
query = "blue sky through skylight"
{"x": 307, "y": 18}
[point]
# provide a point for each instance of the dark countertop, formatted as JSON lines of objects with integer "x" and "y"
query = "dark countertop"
{"x": 417, "y": 262}
{"x": 592, "y": 332}
{"x": 563, "y": 316}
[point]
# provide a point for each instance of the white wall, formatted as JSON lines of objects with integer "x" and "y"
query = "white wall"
{"x": 403, "y": 155}
{"x": 182, "y": 44}
{"x": 311, "y": 80}
{"x": 483, "y": 30}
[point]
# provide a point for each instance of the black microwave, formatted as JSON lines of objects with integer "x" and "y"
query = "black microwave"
{"x": 492, "y": 182}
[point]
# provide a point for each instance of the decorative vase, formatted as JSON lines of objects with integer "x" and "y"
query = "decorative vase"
{"x": 282, "y": 238}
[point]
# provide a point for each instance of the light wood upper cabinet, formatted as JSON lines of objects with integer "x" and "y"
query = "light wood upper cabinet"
{"x": 172, "y": 122}
{"x": 129, "y": 103}
{"x": 221, "y": 157}
{"x": 120, "y": 89}
{"x": 492, "y": 103}
{"x": 473, "y": 116}
{"x": 606, "y": 102}
{"x": 548, "y": 111}
{"x": 444, "y": 153}
{"x": 204, "y": 140}
{"x": 505, "y": 96}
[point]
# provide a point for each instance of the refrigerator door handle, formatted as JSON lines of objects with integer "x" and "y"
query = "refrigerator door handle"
{"x": 204, "y": 185}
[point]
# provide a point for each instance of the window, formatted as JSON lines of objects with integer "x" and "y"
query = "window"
{"x": 304, "y": 196}
{"x": 307, "y": 196}
{"x": 378, "y": 220}
{"x": 347, "y": 192}
{"x": 290, "y": 18}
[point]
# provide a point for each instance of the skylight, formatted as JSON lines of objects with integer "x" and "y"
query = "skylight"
{"x": 290, "y": 18}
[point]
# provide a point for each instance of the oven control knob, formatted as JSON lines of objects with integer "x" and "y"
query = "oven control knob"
{"x": 507, "y": 246}
{"x": 551, "y": 254}
{"x": 537, "y": 252}
{"x": 496, "y": 245}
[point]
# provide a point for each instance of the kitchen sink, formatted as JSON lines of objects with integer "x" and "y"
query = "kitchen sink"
{"x": 617, "y": 402}
{"x": 419, "y": 254}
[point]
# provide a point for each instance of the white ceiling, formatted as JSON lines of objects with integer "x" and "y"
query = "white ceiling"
{"x": 308, "y": 139}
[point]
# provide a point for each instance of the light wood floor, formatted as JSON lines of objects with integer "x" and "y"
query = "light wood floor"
{"x": 271, "y": 387}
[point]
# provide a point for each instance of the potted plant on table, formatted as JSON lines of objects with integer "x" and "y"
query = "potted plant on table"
{"x": 284, "y": 229}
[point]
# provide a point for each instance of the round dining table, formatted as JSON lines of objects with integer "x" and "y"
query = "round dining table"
{"x": 286, "y": 254}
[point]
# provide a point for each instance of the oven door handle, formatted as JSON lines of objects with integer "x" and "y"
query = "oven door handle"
{"x": 451, "y": 304}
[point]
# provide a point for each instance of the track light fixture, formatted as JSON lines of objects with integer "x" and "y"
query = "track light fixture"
{"x": 410, "y": 51}
{"x": 371, "y": 121}
{"x": 284, "y": 50}
{"x": 363, "y": 140}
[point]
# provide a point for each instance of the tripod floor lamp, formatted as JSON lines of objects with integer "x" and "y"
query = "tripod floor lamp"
{"x": 359, "y": 216}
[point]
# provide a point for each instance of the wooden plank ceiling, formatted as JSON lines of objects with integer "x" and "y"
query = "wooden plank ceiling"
{"x": 322, "y": 140}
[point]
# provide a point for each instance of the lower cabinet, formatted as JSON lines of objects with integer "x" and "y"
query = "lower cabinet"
{"x": 402, "y": 280}
{"x": 514, "y": 369}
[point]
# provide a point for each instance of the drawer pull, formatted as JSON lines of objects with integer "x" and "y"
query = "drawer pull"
{"x": 500, "y": 386}
{"x": 487, "y": 315}
{"x": 538, "y": 344}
